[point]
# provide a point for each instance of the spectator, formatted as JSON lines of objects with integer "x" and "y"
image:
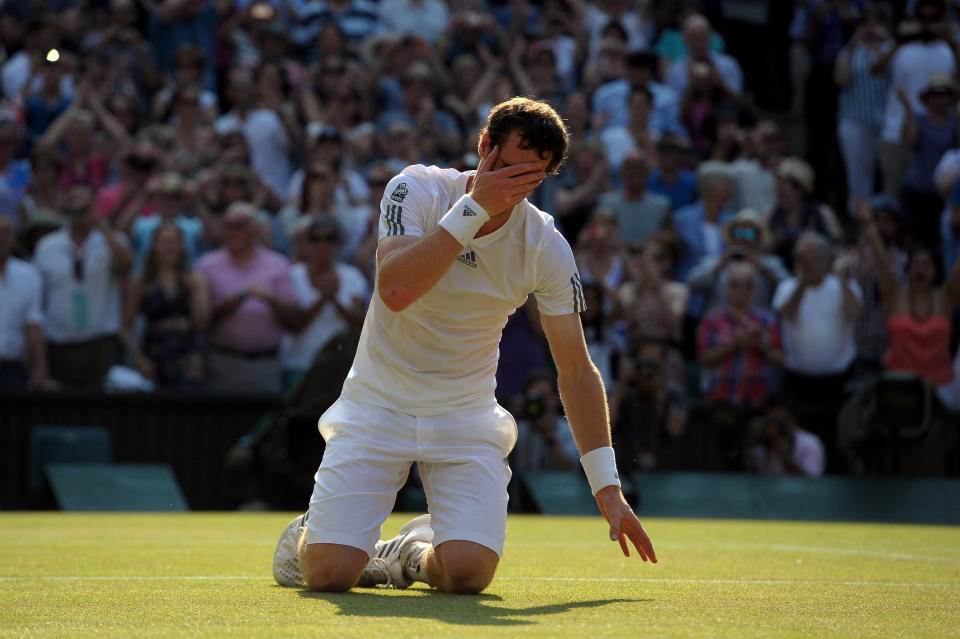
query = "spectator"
{"x": 928, "y": 136}
{"x": 173, "y": 24}
{"x": 744, "y": 239}
{"x": 326, "y": 145}
{"x": 332, "y": 297}
{"x": 610, "y": 100}
{"x": 544, "y": 439}
{"x": 125, "y": 199}
{"x": 82, "y": 267}
{"x": 45, "y": 104}
{"x": 534, "y": 68}
{"x": 40, "y": 35}
{"x": 653, "y": 306}
{"x": 639, "y": 213}
{"x": 23, "y": 355}
{"x": 354, "y": 19}
{"x": 175, "y": 305}
{"x": 598, "y": 251}
{"x": 671, "y": 178}
{"x": 81, "y": 160}
{"x": 798, "y": 210}
{"x": 252, "y": 301}
{"x": 926, "y": 46}
{"x": 636, "y": 134}
{"x": 604, "y": 341}
{"x": 14, "y": 173}
{"x": 861, "y": 103}
{"x": 365, "y": 256}
{"x": 193, "y": 135}
{"x": 427, "y": 19}
{"x": 698, "y": 226}
{"x": 42, "y": 197}
{"x": 739, "y": 345}
{"x": 724, "y": 70}
{"x": 578, "y": 188}
{"x": 918, "y": 311}
{"x": 628, "y": 15}
{"x": 174, "y": 198}
{"x": 316, "y": 198}
{"x": 189, "y": 63}
{"x": 647, "y": 412}
{"x": 818, "y": 311}
{"x": 861, "y": 264}
{"x": 755, "y": 171}
{"x": 776, "y": 445}
{"x": 267, "y": 137}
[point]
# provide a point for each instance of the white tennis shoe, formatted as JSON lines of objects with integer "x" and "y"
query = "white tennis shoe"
{"x": 286, "y": 562}
{"x": 391, "y": 564}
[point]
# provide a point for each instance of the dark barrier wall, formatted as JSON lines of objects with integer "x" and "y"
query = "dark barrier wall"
{"x": 190, "y": 432}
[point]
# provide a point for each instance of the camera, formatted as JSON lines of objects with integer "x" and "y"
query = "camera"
{"x": 534, "y": 406}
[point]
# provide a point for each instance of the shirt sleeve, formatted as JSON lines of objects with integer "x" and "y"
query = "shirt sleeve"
{"x": 403, "y": 207}
{"x": 784, "y": 291}
{"x": 558, "y": 290}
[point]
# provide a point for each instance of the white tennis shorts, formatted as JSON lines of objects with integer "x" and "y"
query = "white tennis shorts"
{"x": 463, "y": 464}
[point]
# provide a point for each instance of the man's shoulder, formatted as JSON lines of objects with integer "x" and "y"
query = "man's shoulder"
{"x": 211, "y": 260}
{"x": 20, "y": 269}
{"x": 657, "y": 200}
{"x": 273, "y": 259}
{"x": 50, "y": 242}
{"x": 423, "y": 179}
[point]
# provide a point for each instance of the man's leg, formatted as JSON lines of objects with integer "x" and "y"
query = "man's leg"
{"x": 331, "y": 567}
{"x": 461, "y": 567}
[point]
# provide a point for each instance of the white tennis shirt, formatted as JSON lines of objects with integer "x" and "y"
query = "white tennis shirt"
{"x": 439, "y": 355}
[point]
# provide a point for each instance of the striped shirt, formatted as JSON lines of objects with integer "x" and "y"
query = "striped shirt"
{"x": 864, "y": 98}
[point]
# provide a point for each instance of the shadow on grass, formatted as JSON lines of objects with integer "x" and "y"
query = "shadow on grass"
{"x": 475, "y": 610}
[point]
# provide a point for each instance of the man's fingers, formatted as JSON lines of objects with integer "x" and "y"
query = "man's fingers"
{"x": 487, "y": 161}
{"x": 623, "y": 546}
{"x": 641, "y": 541}
{"x": 520, "y": 167}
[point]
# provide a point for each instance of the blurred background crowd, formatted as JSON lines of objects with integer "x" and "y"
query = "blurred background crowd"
{"x": 765, "y": 211}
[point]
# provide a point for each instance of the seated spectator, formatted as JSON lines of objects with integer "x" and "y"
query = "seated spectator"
{"x": 698, "y": 226}
{"x": 639, "y": 212}
{"x": 175, "y": 305}
{"x": 818, "y": 311}
{"x": 928, "y": 136}
{"x": 252, "y": 300}
{"x": 23, "y": 354}
{"x": 777, "y": 445}
{"x": 193, "y": 133}
{"x": 427, "y": 19}
{"x": 332, "y": 296}
{"x": 671, "y": 178}
{"x": 544, "y": 438}
{"x": 755, "y": 171}
{"x": 82, "y": 266}
{"x": 708, "y": 112}
{"x": 653, "y": 305}
{"x": 744, "y": 239}
{"x": 798, "y": 210}
{"x": 647, "y": 412}
{"x": 610, "y": 100}
{"x": 739, "y": 344}
{"x": 918, "y": 311}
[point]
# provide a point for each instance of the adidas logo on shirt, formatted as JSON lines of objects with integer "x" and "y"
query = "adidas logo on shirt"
{"x": 468, "y": 212}
{"x": 469, "y": 258}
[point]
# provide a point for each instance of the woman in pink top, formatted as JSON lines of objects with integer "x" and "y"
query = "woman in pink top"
{"x": 918, "y": 311}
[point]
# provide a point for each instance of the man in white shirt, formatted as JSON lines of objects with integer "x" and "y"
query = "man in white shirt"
{"x": 459, "y": 252}
{"x": 696, "y": 35}
{"x": 23, "y": 355}
{"x": 818, "y": 312}
{"x": 82, "y": 267}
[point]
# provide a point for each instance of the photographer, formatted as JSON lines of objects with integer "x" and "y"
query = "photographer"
{"x": 646, "y": 414}
{"x": 544, "y": 439}
{"x": 776, "y": 445}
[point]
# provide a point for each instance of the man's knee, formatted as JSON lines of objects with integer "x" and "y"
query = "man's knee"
{"x": 467, "y": 567}
{"x": 331, "y": 567}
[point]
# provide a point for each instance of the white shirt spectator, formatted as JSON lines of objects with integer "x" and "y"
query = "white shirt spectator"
{"x": 819, "y": 340}
{"x": 910, "y": 69}
{"x": 727, "y": 67}
{"x": 425, "y": 18}
{"x": 79, "y": 309}
{"x": 807, "y": 453}
{"x": 20, "y": 294}
{"x": 297, "y": 351}
{"x": 268, "y": 142}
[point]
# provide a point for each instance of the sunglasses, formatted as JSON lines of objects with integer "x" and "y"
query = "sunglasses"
{"x": 743, "y": 233}
{"x": 317, "y": 239}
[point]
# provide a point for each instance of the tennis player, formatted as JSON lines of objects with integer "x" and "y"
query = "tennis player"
{"x": 458, "y": 253}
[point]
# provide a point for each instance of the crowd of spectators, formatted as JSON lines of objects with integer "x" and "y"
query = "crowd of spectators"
{"x": 190, "y": 190}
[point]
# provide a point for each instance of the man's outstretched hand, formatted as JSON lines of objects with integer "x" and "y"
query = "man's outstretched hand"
{"x": 624, "y": 523}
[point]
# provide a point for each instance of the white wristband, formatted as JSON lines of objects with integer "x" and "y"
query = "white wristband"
{"x": 464, "y": 219}
{"x": 600, "y": 465}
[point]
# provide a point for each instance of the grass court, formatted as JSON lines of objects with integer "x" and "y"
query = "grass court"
{"x": 208, "y": 575}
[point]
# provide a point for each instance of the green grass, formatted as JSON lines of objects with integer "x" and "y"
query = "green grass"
{"x": 208, "y": 575}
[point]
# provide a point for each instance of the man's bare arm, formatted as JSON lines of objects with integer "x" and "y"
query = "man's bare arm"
{"x": 582, "y": 393}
